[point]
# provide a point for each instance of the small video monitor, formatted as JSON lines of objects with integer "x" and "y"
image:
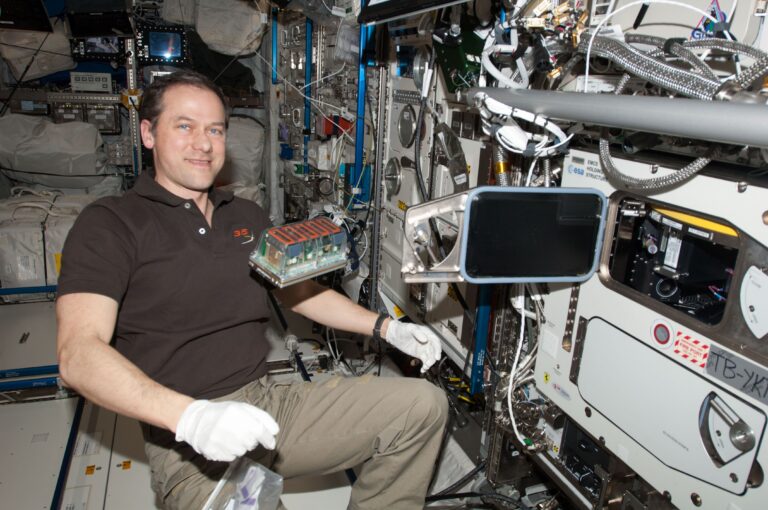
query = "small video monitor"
{"x": 166, "y": 45}
{"x": 102, "y": 45}
{"x": 161, "y": 45}
{"x": 99, "y": 48}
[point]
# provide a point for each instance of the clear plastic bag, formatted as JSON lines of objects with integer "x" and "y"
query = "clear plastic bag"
{"x": 246, "y": 485}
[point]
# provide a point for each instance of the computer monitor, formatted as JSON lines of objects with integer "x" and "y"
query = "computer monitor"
{"x": 24, "y": 15}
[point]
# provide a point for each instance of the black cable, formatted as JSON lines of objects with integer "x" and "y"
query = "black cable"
{"x": 462, "y": 495}
{"x": 301, "y": 367}
{"x": 492, "y": 366}
{"x": 458, "y": 484}
{"x": 23, "y": 75}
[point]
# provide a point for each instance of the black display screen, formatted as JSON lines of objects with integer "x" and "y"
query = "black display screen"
{"x": 24, "y": 15}
{"x": 532, "y": 235}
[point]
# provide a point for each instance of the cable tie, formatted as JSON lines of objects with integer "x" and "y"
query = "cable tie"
{"x": 530, "y": 150}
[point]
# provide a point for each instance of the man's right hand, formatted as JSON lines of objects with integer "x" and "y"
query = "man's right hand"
{"x": 224, "y": 431}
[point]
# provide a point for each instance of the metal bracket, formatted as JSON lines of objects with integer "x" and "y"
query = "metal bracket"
{"x": 418, "y": 240}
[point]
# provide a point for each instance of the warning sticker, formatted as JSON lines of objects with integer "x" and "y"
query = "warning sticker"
{"x": 691, "y": 349}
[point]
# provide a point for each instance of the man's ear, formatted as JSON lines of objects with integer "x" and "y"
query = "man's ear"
{"x": 146, "y": 134}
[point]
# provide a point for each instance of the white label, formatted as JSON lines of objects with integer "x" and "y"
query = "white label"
{"x": 549, "y": 343}
{"x": 672, "y": 254}
{"x": 87, "y": 444}
{"x": 700, "y": 233}
{"x": 27, "y": 268}
{"x": 76, "y": 498}
{"x": 460, "y": 179}
{"x": 673, "y": 224}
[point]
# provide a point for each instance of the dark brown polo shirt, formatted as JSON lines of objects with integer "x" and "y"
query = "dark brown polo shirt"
{"x": 191, "y": 316}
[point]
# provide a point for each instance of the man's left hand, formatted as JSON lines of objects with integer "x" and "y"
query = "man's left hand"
{"x": 414, "y": 340}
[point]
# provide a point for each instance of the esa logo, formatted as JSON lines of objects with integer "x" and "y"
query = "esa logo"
{"x": 573, "y": 169}
{"x": 244, "y": 235}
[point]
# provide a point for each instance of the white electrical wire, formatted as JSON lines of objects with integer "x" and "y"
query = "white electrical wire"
{"x": 596, "y": 30}
{"x": 521, "y": 299}
{"x": 343, "y": 65}
{"x": 494, "y": 71}
{"x": 530, "y": 172}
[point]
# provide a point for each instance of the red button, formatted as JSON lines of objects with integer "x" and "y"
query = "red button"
{"x": 661, "y": 334}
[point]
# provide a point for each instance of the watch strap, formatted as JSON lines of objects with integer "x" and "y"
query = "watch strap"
{"x": 377, "y": 327}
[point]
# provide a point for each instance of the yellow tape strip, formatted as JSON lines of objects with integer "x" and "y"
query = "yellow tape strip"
{"x": 698, "y": 222}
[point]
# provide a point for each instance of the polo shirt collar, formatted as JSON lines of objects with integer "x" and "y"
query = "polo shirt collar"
{"x": 147, "y": 187}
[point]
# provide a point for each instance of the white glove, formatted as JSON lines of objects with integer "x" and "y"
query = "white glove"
{"x": 414, "y": 340}
{"x": 225, "y": 430}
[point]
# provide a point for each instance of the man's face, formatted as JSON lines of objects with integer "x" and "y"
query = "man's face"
{"x": 188, "y": 140}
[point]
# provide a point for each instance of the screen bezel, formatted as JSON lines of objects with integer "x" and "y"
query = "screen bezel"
{"x": 467, "y": 241}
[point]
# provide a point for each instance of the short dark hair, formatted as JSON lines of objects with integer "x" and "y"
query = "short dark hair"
{"x": 152, "y": 99}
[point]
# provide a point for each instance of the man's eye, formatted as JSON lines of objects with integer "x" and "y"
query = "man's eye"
{"x": 183, "y": 126}
{"x": 217, "y": 131}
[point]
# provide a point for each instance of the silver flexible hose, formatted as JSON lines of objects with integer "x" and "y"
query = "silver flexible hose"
{"x": 689, "y": 58}
{"x": 749, "y": 75}
{"x": 501, "y": 165}
{"x": 656, "y": 184}
{"x": 753, "y": 72}
{"x": 726, "y": 45}
{"x": 675, "y": 48}
{"x": 622, "y": 83}
{"x": 649, "y": 69}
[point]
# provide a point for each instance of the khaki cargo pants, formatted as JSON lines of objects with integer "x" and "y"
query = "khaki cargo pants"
{"x": 393, "y": 427}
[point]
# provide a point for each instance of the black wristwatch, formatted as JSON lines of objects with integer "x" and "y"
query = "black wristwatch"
{"x": 377, "y": 326}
